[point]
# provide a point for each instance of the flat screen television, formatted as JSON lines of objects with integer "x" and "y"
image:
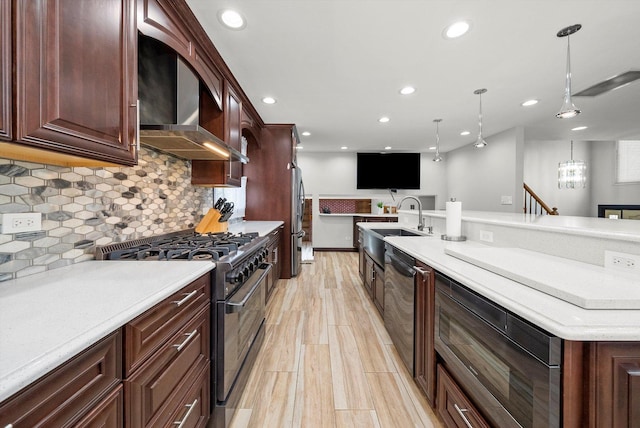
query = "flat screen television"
{"x": 388, "y": 171}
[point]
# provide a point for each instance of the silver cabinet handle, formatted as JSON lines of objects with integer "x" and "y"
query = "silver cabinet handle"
{"x": 186, "y": 297}
{"x": 421, "y": 270}
{"x": 462, "y": 412}
{"x": 9, "y": 426}
{"x": 183, "y": 344}
{"x": 186, "y": 415}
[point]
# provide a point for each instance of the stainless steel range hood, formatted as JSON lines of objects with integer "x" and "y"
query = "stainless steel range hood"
{"x": 169, "y": 99}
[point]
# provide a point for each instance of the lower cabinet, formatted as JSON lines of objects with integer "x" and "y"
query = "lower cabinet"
{"x": 84, "y": 391}
{"x": 168, "y": 382}
{"x": 373, "y": 279}
{"x": 425, "y": 354}
{"x": 455, "y": 409}
{"x": 274, "y": 258}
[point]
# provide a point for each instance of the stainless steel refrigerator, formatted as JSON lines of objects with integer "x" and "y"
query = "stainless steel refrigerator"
{"x": 297, "y": 212}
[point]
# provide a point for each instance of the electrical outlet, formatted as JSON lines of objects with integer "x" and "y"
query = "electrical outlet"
{"x": 21, "y": 222}
{"x": 486, "y": 236}
{"x": 621, "y": 260}
{"x": 506, "y": 200}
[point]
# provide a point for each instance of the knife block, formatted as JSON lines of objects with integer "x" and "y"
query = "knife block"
{"x": 210, "y": 223}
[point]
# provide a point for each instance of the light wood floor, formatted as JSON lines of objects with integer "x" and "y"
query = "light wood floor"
{"x": 327, "y": 360}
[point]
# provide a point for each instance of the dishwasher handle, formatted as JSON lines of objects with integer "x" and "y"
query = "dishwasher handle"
{"x": 399, "y": 265}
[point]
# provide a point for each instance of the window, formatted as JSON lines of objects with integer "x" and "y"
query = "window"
{"x": 628, "y": 161}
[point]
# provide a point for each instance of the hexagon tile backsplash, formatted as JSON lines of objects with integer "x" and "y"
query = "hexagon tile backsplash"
{"x": 84, "y": 207}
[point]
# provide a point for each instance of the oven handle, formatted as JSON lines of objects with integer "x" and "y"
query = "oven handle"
{"x": 232, "y": 307}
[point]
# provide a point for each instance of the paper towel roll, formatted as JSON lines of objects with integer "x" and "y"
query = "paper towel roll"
{"x": 454, "y": 219}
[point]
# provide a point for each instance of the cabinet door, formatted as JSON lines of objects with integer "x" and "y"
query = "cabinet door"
{"x": 5, "y": 70}
{"x": 616, "y": 368}
{"x": 425, "y": 356}
{"x": 361, "y": 263}
{"x": 76, "y": 78}
{"x": 378, "y": 288}
{"x": 368, "y": 274}
{"x": 109, "y": 413}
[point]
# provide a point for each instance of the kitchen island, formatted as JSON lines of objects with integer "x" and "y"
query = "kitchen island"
{"x": 594, "y": 310}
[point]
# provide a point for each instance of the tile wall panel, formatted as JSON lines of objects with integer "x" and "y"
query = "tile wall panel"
{"x": 84, "y": 207}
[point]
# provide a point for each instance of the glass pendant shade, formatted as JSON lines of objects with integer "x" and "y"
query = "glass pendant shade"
{"x": 437, "y": 157}
{"x": 572, "y": 174}
{"x": 568, "y": 109}
{"x": 480, "y": 143}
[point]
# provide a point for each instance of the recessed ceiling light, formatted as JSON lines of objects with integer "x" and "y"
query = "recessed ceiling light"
{"x": 388, "y": 148}
{"x": 306, "y": 133}
{"x": 344, "y": 148}
{"x": 232, "y": 19}
{"x": 432, "y": 148}
{"x": 578, "y": 128}
{"x": 269, "y": 100}
{"x": 529, "y": 103}
{"x": 383, "y": 119}
{"x": 464, "y": 133}
{"x": 407, "y": 90}
{"x": 456, "y": 29}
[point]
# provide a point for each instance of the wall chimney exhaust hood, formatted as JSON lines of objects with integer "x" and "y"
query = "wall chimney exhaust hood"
{"x": 169, "y": 99}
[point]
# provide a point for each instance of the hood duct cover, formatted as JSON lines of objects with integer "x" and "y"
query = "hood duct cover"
{"x": 169, "y": 94}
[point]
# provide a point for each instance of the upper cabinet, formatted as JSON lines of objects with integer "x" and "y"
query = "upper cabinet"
{"x": 75, "y": 81}
{"x": 5, "y": 70}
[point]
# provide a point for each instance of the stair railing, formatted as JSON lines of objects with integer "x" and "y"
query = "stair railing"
{"x": 533, "y": 204}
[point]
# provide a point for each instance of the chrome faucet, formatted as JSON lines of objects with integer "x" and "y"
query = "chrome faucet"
{"x": 420, "y": 221}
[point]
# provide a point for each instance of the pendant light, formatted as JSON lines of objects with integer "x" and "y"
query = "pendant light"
{"x": 480, "y": 143}
{"x": 568, "y": 109}
{"x": 572, "y": 174}
{"x": 437, "y": 157}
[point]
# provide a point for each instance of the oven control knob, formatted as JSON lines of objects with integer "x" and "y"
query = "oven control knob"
{"x": 236, "y": 277}
{"x": 246, "y": 271}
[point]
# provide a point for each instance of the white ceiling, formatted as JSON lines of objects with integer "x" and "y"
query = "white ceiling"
{"x": 336, "y": 66}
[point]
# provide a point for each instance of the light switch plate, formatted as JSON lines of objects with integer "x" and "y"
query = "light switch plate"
{"x": 506, "y": 200}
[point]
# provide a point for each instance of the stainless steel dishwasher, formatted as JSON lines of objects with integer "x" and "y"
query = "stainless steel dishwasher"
{"x": 399, "y": 301}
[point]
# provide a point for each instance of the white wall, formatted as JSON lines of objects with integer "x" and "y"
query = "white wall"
{"x": 479, "y": 178}
{"x": 334, "y": 174}
{"x": 541, "y": 160}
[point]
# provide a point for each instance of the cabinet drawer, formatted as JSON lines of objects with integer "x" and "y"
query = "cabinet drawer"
{"x": 454, "y": 407}
{"x": 159, "y": 384}
{"x": 193, "y": 409}
{"x": 108, "y": 414}
{"x": 149, "y": 331}
{"x": 66, "y": 394}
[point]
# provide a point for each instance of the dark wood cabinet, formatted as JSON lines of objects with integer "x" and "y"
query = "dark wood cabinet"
{"x": 6, "y": 107}
{"x": 425, "y": 354}
{"x": 75, "y": 81}
{"x": 85, "y": 388}
{"x": 369, "y": 274}
{"x": 109, "y": 413}
{"x": 361, "y": 258}
{"x": 167, "y": 357}
{"x": 273, "y": 247}
{"x": 377, "y": 288}
{"x": 455, "y": 409}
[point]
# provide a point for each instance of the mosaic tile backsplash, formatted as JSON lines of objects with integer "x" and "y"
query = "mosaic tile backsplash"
{"x": 84, "y": 207}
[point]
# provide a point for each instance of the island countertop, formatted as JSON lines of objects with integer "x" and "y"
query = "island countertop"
{"x": 564, "y": 319}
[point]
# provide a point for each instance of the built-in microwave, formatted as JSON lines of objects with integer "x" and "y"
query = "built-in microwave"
{"x": 508, "y": 367}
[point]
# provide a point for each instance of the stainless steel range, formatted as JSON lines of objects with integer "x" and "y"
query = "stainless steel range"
{"x": 238, "y": 301}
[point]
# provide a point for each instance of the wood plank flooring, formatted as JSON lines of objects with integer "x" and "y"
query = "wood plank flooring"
{"x": 327, "y": 360}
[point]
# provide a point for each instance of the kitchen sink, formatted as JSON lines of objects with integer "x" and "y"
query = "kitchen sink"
{"x": 395, "y": 232}
{"x": 373, "y": 241}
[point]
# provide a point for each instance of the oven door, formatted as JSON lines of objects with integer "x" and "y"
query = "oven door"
{"x": 244, "y": 313}
{"x": 510, "y": 386}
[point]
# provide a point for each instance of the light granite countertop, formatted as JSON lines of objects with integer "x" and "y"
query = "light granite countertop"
{"x": 262, "y": 227}
{"x": 559, "y": 317}
{"x": 47, "y": 318}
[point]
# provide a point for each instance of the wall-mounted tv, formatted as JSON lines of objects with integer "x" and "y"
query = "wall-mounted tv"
{"x": 388, "y": 171}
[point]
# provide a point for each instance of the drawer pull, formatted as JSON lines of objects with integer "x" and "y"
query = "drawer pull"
{"x": 9, "y": 426}
{"x": 183, "y": 344}
{"x": 462, "y": 412}
{"x": 187, "y": 297}
{"x": 186, "y": 416}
